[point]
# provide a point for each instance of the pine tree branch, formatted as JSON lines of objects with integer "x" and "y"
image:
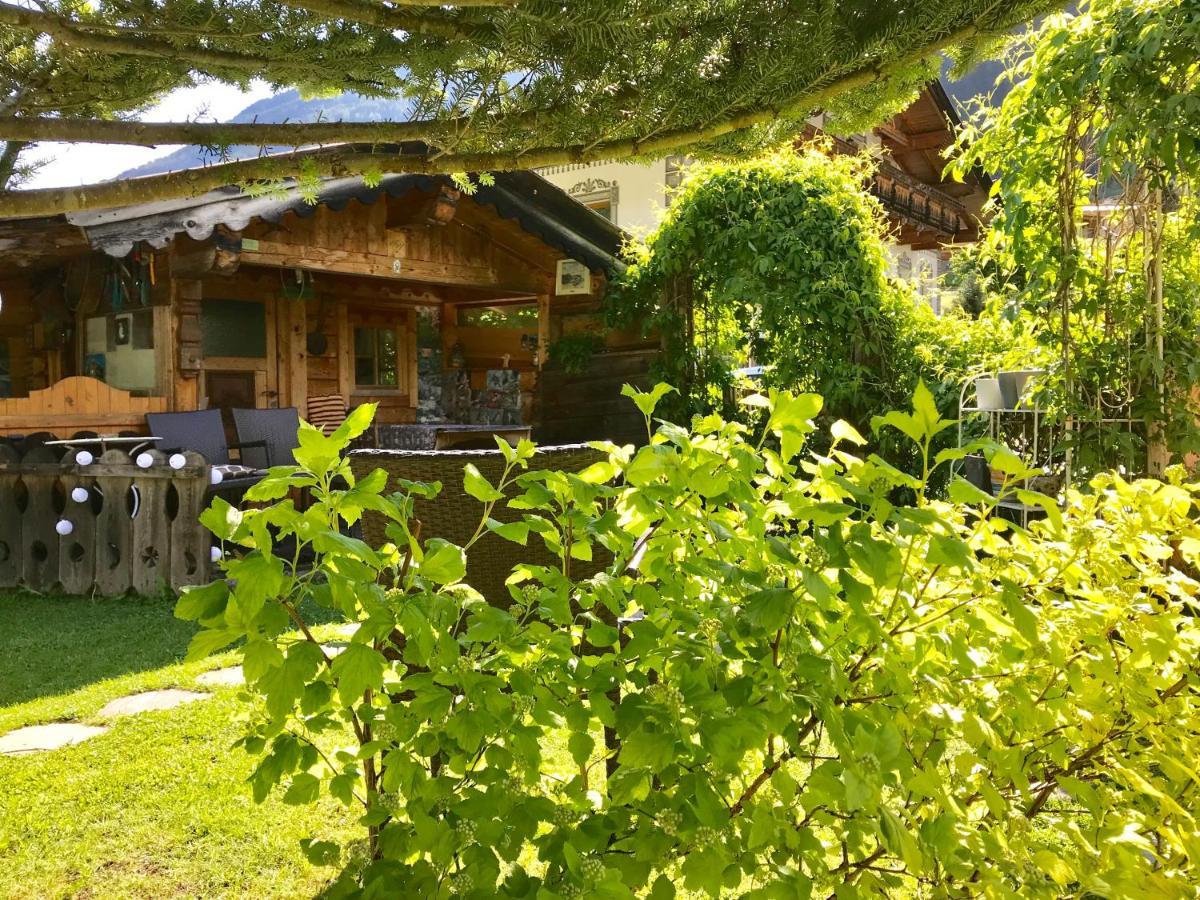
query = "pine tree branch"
{"x": 369, "y": 13}
{"x": 214, "y": 134}
{"x": 8, "y": 160}
{"x": 127, "y": 42}
{"x": 460, "y": 3}
{"x": 355, "y": 160}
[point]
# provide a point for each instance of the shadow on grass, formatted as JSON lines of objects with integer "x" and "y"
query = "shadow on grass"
{"x": 54, "y": 645}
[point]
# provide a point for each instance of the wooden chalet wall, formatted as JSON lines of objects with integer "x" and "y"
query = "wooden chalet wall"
{"x": 303, "y": 283}
{"x": 320, "y": 275}
{"x": 588, "y": 405}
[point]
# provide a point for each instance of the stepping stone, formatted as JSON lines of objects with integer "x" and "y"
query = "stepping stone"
{"x": 333, "y": 648}
{"x": 46, "y": 737}
{"x": 222, "y": 677}
{"x": 150, "y": 701}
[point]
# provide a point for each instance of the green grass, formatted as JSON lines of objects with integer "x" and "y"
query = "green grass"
{"x": 158, "y": 805}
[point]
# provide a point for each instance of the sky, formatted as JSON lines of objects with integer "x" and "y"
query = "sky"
{"x": 69, "y": 165}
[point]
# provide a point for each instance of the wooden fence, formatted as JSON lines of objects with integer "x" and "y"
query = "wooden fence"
{"x": 136, "y": 529}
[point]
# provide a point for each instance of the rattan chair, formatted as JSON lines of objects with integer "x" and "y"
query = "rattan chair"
{"x": 453, "y": 515}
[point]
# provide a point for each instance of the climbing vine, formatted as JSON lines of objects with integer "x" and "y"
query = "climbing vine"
{"x": 776, "y": 262}
{"x": 1095, "y": 218}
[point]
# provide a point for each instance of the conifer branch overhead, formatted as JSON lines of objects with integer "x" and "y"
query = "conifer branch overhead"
{"x": 484, "y": 85}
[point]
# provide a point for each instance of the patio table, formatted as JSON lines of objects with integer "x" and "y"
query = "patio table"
{"x": 104, "y": 441}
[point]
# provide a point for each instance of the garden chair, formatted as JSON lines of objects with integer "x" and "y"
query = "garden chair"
{"x": 204, "y": 432}
{"x": 274, "y": 429}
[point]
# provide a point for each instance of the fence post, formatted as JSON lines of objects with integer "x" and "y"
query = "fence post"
{"x": 150, "y": 553}
{"x": 190, "y": 541}
{"x": 39, "y": 540}
{"x": 10, "y": 518}
{"x": 114, "y": 527}
{"x": 77, "y": 550}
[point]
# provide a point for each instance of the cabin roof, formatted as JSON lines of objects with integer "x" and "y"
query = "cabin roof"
{"x": 537, "y": 206}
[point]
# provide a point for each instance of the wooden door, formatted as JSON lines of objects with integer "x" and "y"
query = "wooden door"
{"x": 229, "y": 390}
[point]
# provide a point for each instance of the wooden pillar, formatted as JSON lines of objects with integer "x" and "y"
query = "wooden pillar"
{"x": 345, "y": 352}
{"x": 188, "y": 294}
{"x": 293, "y": 353}
{"x": 413, "y": 376}
{"x": 543, "y": 333}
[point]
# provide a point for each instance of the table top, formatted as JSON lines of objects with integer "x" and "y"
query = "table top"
{"x": 104, "y": 439}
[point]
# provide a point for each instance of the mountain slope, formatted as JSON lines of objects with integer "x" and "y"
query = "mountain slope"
{"x": 285, "y": 107}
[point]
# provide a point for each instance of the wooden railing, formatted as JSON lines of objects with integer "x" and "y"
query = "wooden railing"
{"x": 77, "y": 404}
{"x": 127, "y": 527}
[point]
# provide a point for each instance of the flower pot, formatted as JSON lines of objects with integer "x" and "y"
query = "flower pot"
{"x": 987, "y": 394}
{"x": 1013, "y": 384}
{"x": 998, "y": 479}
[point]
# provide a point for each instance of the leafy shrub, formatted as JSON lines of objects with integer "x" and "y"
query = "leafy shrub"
{"x": 813, "y": 691}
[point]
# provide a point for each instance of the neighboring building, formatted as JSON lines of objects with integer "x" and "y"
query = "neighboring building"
{"x": 928, "y": 213}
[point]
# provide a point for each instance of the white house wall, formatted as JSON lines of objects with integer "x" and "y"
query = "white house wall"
{"x": 640, "y": 189}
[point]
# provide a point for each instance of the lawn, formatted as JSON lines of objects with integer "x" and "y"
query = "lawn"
{"x": 155, "y": 807}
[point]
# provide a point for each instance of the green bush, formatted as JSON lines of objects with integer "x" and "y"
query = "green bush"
{"x": 821, "y": 693}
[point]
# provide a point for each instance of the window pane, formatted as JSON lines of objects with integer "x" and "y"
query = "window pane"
{"x": 387, "y": 357}
{"x": 233, "y": 328}
{"x": 375, "y": 357}
{"x": 364, "y": 370}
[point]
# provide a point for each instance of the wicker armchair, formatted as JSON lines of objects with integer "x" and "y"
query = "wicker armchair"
{"x": 453, "y": 515}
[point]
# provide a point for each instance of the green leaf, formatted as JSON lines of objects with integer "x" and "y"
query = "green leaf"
{"x": 1054, "y": 866}
{"x": 256, "y": 577}
{"x": 704, "y": 869}
{"x": 963, "y": 492}
{"x": 210, "y": 640}
{"x": 335, "y": 543}
{"x": 517, "y": 532}
{"x": 199, "y": 603}
{"x": 305, "y": 788}
{"x": 646, "y": 401}
{"x": 945, "y": 550}
{"x": 581, "y": 744}
{"x": 842, "y": 430}
{"x": 221, "y": 519}
{"x": 769, "y": 609}
{"x": 355, "y": 424}
{"x": 444, "y": 562}
{"x": 356, "y": 669}
{"x": 479, "y": 487}
{"x": 321, "y": 853}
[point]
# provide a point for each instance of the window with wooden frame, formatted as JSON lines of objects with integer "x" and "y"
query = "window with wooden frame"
{"x": 376, "y": 357}
{"x": 599, "y": 195}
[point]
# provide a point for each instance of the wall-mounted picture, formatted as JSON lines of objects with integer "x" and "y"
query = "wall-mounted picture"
{"x": 572, "y": 277}
{"x": 122, "y": 330}
{"x": 95, "y": 366}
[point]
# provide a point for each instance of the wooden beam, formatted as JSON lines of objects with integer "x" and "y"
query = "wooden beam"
{"x": 374, "y": 265}
{"x": 929, "y": 140}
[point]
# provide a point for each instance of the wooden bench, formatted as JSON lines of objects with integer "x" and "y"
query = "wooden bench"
{"x": 77, "y": 404}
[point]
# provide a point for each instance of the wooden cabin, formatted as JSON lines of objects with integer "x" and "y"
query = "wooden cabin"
{"x": 438, "y": 305}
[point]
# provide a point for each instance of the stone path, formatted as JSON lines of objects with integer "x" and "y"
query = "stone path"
{"x": 46, "y": 737}
{"x": 37, "y": 738}
{"x": 149, "y": 701}
{"x": 222, "y": 677}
